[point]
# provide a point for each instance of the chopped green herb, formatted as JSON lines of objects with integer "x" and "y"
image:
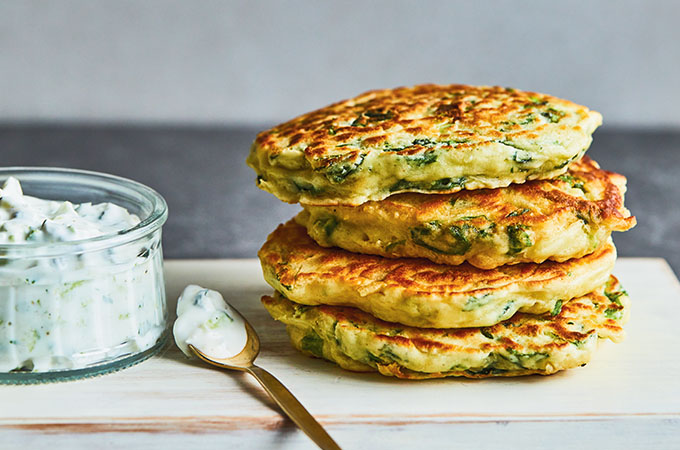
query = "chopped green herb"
{"x": 313, "y": 344}
{"x": 454, "y": 240}
{"x": 506, "y": 310}
{"x": 518, "y": 238}
{"x": 577, "y": 343}
{"x": 371, "y": 116}
{"x": 557, "y": 308}
{"x": 285, "y": 286}
{"x": 421, "y": 159}
{"x": 387, "y": 353}
{"x": 215, "y": 322}
{"x": 521, "y": 359}
{"x": 553, "y": 115}
{"x": 581, "y": 216}
{"x": 328, "y": 224}
{"x": 559, "y": 166}
{"x": 372, "y": 358}
{"x": 303, "y": 186}
{"x": 573, "y": 182}
{"x": 448, "y": 183}
{"x": 443, "y": 184}
{"x": 613, "y": 313}
{"x": 473, "y": 302}
{"x": 392, "y": 245}
{"x": 424, "y": 142}
{"x": 522, "y": 157}
{"x": 486, "y": 333}
{"x": 518, "y": 212}
{"x": 300, "y": 310}
{"x": 614, "y": 297}
{"x": 461, "y": 244}
{"x": 337, "y": 172}
{"x": 487, "y": 371}
{"x": 511, "y": 144}
{"x": 530, "y": 118}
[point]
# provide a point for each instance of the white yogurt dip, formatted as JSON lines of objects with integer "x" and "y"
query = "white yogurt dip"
{"x": 82, "y": 307}
{"x": 207, "y": 322}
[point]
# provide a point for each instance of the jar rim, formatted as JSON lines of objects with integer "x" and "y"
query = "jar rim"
{"x": 155, "y": 219}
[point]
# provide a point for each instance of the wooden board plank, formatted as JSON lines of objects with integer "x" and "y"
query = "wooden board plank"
{"x": 633, "y": 385}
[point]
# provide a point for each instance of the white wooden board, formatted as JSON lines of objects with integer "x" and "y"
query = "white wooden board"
{"x": 627, "y": 397}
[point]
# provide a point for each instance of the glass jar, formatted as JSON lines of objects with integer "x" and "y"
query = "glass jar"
{"x": 82, "y": 308}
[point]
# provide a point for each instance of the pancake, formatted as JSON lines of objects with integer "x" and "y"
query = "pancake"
{"x": 427, "y": 138}
{"x": 418, "y": 292}
{"x": 525, "y": 344}
{"x": 567, "y": 217}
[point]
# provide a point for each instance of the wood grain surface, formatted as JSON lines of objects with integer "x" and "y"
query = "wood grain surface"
{"x": 627, "y": 397}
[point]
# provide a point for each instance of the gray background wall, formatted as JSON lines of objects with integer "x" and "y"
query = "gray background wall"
{"x": 238, "y": 62}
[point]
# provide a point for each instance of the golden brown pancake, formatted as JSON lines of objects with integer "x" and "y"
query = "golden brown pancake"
{"x": 522, "y": 345}
{"x": 567, "y": 217}
{"x": 427, "y": 138}
{"x": 418, "y": 292}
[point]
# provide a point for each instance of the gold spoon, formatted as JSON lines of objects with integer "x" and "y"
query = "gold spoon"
{"x": 282, "y": 396}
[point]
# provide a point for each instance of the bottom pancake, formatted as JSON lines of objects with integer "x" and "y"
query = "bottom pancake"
{"x": 522, "y": 345}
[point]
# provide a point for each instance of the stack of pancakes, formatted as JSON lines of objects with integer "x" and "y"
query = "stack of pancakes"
{"x": 446, "y": 231}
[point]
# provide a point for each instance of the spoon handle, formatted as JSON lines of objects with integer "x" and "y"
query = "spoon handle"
{"x": 293, "y": 408}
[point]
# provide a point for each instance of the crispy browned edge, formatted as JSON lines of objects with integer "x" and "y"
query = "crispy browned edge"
{"x": 397, "y": 272}
{"x": 313, "y": 128}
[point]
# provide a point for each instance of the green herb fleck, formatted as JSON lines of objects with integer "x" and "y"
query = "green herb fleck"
{"x": 473, "y": 302}
{"x": 215, "y": 322}
{"x": 581, "y": 216}
{"x": 337, "y": 172}
{"x": 392, "y": 245}
{"x": 443, "y": 184}
{"x": 530, "y": 118}
{"x": 486, "y": 371}
{"x": 303, "y": 186}
{"x": 553, "y": 115}
{"x": 328, "y": 224}
{"x": 461, "y": 244}
{"x": 486, "y": 333}
{"x": 432, "y": 237}
{"x": 313, "y": 344}
{"x": 387, "y": 353}
{"x": 372, "y": 358}
{"x": 518, "y": 212}
{"x": 557, "y": 308}
{"x": 518, "y": 238}
{"x": 522, "y": 157}
{"x": 421, "y": 159}
{"x": 372, "y": 116}
{"x": 613, "y": 313}
{"x": 573, "y": 182}
{"x": 615, "y": 297}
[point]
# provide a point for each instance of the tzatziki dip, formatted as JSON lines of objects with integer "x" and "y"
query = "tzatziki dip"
{"x": 84, "y": 306}
{"x": 207, "y": 322}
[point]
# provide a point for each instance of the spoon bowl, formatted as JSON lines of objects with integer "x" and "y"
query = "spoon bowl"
{"x": 244, "y": 362}
{"x": 241, "y": 361}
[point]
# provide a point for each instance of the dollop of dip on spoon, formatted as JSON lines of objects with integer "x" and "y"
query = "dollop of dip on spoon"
{"x": 207, "y": 322}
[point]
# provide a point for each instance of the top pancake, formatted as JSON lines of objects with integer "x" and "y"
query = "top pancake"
{"x": 427, "y": 138}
